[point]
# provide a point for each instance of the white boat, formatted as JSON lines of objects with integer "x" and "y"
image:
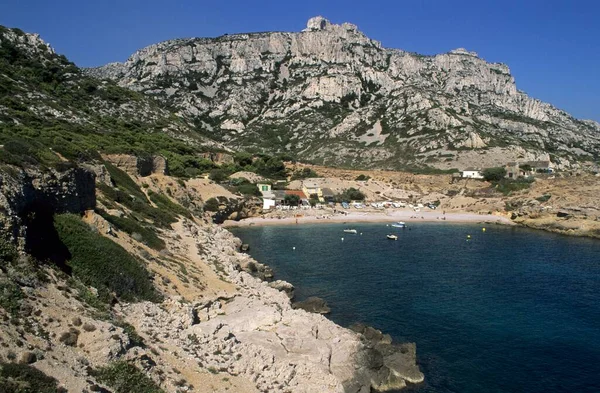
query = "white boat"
{"x": 392, "y": 237}
{"x": 350, "y": 231}
{"x": 399, "y": 224}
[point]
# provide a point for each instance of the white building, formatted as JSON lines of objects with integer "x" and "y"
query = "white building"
{"x": 472, "y": 173}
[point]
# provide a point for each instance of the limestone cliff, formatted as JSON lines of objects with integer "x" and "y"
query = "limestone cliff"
{"x": 330, "y": 94}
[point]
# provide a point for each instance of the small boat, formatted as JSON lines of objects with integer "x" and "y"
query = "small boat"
{"x": 350, "y": 231}
{"x": 399, "y": 224}
{"x": 392, "y": 237}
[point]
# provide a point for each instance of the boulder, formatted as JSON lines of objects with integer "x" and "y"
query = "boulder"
{"x": 284, "y": 287}
{"x": 313, "y": 304}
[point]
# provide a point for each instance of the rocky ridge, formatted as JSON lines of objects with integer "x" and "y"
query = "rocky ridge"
{"x": 331, "y": 95}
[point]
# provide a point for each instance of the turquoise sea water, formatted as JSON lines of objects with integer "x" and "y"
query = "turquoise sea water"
{"x": 510, "y": 310}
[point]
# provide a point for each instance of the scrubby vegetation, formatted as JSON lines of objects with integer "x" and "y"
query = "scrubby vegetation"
{"x": 131, "y": 226}
{"x": 244, "y": 187}
{"x": 126, "y": 378}
{"x": 494, "y": 174}
{"x": 130, "y": 195}
{"x": 350, "y": 194}
{"x": 22, "y": 378}
{"x": 508, "y": 186}
{"x": 305, "y": 173}
{"x": 102, "y": 263}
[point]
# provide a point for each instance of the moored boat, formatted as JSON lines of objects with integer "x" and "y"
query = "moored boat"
{"x": 399, "y": 224}
{"x": 392, "y": 237}
{"x": 350, "y": 231}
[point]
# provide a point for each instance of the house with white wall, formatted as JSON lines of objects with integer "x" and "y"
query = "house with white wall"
{"x": 472, "y": 173}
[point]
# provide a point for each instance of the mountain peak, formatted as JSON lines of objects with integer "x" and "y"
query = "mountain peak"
{"x": 463, "y": 51}
{"x": 317, "y": 23}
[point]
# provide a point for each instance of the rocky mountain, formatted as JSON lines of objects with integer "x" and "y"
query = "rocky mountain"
{"x": 331, "y": 95}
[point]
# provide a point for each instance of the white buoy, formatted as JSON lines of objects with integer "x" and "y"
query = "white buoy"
{"x": 483, "y": 229}
{"x": 361, "y": 233}
{"x": 293, "y": 248}
{"x": 342, "y": 239}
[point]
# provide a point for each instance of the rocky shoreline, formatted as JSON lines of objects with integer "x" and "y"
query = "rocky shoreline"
{"x": 255, "y": 331}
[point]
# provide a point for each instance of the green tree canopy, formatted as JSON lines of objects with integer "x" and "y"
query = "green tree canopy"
{"x": 494, "y": 174}
{"x": 293, "y": 200}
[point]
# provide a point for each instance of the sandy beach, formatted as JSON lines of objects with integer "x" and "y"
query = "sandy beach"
{"x": 328, "y": 217}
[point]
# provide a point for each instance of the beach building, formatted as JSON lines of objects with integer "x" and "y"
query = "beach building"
{"x": 310, "y": 187}
{"x": 541, "y": 166}
{"x": 472, "y": 173}
{"x": 269, "y": 199}
{"x": 328, "y": 194}
{"x": 528, "y": 168}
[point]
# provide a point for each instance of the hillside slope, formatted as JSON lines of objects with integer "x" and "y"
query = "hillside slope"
{"x": 47, "y": 102}
{"x": 331, "y": 95}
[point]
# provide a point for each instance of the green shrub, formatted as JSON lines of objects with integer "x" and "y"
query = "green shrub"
{"x": 130, "y": 226}
{"x": 125, "y": 378}
{"x": 211, "y": 205}
{"x": 305, "y": 173}
{"x": 362, "y": 177}
{"x": 162, "y": 218}
{"x": 124, "y": 182}
{"x": 544, "y": 198}
{"x": 22, "y": 378}
{"x": 350, "y": 194}
{"x": 218, "y": 175}
{"x": 135, "y": 340}
{"x": 103, "y": 264}
{"x": 507, "y": 186}
{"x": 10, "y": 296}
{"x": 494, "y": 174}
{"x": 8, "y": 252}
{"x": 248, "y": 189}
{"x": 292, "y": 200}
{"x": 165, "y": 203}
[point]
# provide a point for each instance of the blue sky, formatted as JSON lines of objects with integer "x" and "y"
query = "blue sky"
{"x": 552, "y": 47}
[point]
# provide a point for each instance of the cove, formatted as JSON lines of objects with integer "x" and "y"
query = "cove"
{"x": 508, "y": 310}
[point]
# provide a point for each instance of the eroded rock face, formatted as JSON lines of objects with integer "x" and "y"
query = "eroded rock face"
{"x": 51, "y": 191}
{"x": 139, "y": 166}
{"x": 330, "y": 91}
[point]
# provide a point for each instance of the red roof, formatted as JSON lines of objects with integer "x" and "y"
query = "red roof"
{"x": 296, "y": 192}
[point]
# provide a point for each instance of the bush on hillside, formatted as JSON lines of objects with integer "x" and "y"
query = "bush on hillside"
{"x": 292, "y": 200}
{"x": 23, "y": 378}
{"x": 131, "y": 226}
{"x": 507, "y": 186}
{"x": 350, "y": 194}
{"x": 494, "y": 174}
{"x": 125, "y": 378}
{"x": 102, "y": 263}
{"x": 305, "y": 173}
{"x": 218, "y": 175}
{"x": 164, "y": 203}
{"x": 211, "y": 205}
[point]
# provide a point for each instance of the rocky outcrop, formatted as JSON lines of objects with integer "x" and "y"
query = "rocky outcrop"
{"x": 313, "y": 304}
{"x": 327, "y": 92}
{"x": 30, "y": 191}
{"x": 139, "y": 166}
